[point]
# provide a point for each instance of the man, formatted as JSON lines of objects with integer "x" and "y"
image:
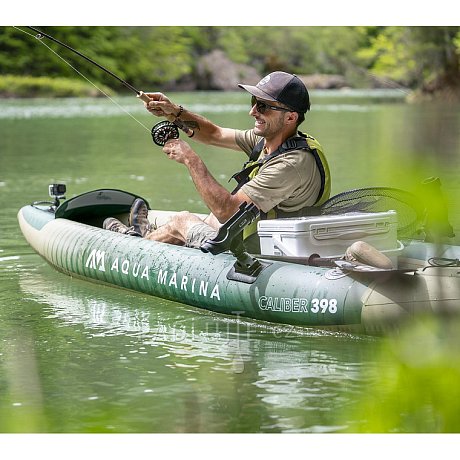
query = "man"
{"x": 284, "y": 179}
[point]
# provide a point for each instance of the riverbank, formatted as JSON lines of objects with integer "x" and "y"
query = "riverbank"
{"x": 17, "y": 86}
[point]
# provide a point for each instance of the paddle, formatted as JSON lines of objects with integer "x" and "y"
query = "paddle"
{"x": 331, "y": 262}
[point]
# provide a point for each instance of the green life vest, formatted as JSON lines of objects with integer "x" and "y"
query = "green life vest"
{"x": 252, "y": 166}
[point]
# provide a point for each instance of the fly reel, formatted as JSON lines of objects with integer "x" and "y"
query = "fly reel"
{"x": 163, "y": 132}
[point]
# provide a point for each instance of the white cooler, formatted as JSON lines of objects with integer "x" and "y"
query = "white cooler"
{"x": 330, "y": 236}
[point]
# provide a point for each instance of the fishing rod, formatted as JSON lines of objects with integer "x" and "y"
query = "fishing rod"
{"x": 162, "y": 131}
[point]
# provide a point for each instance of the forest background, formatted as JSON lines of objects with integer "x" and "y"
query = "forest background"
{"x": 423, "y": 59}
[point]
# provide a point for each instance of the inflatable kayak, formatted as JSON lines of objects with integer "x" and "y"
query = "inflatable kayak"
{"x": 281, "y": 288}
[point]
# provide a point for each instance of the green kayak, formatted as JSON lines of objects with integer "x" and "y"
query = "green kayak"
{"x": 339, "y": 297}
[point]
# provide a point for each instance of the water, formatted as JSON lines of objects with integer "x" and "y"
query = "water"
{"x": 79, "y": 357}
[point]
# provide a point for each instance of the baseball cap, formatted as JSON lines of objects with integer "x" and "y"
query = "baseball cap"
{"x": 286, "y": 88}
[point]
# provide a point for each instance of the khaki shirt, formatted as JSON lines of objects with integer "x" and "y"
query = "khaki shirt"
{"x": 290, "y": 181}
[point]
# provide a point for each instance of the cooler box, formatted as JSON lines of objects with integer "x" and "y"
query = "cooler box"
{"x": 330, "y": 236}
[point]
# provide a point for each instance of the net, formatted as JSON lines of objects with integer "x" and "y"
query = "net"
{"x": 380, "y": 199}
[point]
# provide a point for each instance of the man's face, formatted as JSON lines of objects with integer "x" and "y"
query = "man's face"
{"x": 269, "y": 117}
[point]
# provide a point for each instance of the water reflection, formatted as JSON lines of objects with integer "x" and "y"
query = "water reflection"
{"x": 269, "y": 378}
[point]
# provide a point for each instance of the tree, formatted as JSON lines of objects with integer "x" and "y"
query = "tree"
{"x": 143, "y": 55}
{"x": 426, "y": 58}
{"x": 423, "y": 58}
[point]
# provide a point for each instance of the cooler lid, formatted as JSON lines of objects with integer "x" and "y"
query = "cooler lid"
{"x": 306, "y": 224}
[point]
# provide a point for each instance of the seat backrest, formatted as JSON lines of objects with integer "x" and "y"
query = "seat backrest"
{"x": 96, "y": 205}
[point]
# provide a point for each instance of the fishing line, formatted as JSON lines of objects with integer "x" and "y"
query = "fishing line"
{"x": 391, "y": 84}
{"x": 161, "y": 132}
{"x": 39, "y": 38}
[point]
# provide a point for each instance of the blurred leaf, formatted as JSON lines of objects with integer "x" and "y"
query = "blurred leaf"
{"x": 416, "y": 389}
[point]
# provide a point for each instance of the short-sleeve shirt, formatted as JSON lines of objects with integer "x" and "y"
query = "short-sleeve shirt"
{"x": 289, "y": 181}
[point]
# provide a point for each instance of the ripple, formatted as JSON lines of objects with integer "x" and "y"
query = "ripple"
{"x": 83, "y": 108}
{"x": 3, "y": 259}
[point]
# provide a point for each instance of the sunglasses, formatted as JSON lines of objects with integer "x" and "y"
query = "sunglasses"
{"x": 262, "y": 107}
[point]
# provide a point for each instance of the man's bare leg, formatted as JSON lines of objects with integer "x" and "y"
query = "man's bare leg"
{"x": 212, "y": 221}
{"x": 176, "y": 229}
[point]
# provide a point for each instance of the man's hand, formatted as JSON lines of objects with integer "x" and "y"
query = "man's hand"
{"x": 204, "y": 131}
{"x": 161, "y": 106}
{"x": 178, "y": 150}
{"x": 217, "y": 198}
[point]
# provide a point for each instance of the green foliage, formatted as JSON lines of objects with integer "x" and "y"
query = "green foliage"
{"x": 150, "y": 57}
{"x": 18, "y": 86}
{"x": 457, "y": 43}
{"x": 144, "y": 55}
{"x": 155, "y": 55}
{"x": 24, "y": 55}
{"x": 416, "y": 388}
{"x": 388, "y": 55}
{"x": 413, "y": 55}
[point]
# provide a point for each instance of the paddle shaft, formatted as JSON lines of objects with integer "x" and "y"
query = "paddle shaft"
{"x": 331, "y": 262}
{"x": 314, "y": 260}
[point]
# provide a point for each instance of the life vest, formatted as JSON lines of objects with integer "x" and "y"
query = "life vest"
{"x": 252, "y": 166}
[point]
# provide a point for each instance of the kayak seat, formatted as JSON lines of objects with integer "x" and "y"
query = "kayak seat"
{"x": 93, "y": 207}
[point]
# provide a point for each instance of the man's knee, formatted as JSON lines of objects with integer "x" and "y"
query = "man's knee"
{"x": 183, "y": 218}
{"x": 184, "y": 228}
{"x": 182, "y": 221}
{"x": 180, "y": 224}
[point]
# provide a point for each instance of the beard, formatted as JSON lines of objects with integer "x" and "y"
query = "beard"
{"x": 270, "y": 126}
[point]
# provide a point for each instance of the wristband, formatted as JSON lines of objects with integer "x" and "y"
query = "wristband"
{"x": 181, "y": 109}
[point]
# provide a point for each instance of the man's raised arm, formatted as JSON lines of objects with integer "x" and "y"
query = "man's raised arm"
{"x": 204, "y": 130}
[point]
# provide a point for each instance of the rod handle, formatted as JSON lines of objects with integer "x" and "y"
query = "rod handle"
{"x": 141, "y": 95}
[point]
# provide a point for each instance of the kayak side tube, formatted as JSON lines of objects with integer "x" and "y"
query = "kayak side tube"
{"x": 282, "y": 293}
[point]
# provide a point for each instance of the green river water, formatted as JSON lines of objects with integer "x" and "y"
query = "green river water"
{"x": 77, "y": 357}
